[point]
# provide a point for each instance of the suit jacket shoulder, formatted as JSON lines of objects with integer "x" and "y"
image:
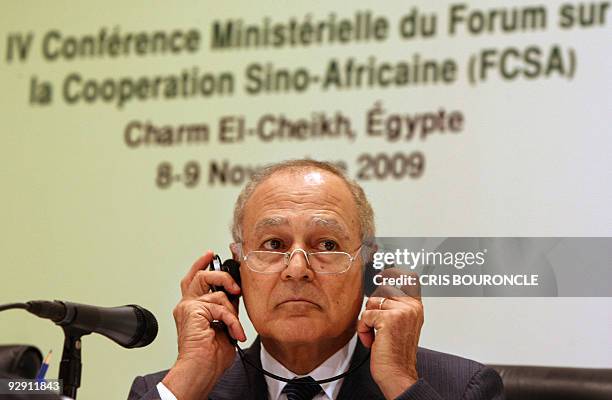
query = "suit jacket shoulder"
{"x": 453, "y": 377}
{"x": 143, "y": 387}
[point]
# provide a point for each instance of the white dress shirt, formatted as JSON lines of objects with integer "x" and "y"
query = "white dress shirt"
{"x": 338, "y": 363}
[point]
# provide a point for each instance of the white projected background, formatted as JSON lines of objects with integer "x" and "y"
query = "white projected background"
{"x": 123, "y": 151}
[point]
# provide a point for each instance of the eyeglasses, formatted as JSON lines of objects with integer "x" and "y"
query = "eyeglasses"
{"x": 321, "y": 262}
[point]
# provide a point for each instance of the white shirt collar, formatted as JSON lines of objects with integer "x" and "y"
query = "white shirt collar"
{"x": 338, "y": 363}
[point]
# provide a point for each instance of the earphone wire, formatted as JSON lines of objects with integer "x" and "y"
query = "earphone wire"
{"x": 244, "y": 359}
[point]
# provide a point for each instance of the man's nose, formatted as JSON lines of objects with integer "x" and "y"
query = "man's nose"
{"x": 298, "y": 267}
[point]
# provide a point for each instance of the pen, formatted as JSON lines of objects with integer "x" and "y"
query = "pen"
{"x": 40, "y": 376}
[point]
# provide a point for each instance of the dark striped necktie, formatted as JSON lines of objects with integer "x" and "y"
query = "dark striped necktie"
{"x": 295, "y": 390}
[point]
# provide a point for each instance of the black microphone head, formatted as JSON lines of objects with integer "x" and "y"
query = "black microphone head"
{"x": 149, "y": 328}
{"x": 129, "y": 326}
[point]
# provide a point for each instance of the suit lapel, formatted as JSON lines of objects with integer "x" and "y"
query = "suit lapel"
{"x": 242, "y": 381}
{"x": 256, "y": 379}
{"x": 359, "y": 384}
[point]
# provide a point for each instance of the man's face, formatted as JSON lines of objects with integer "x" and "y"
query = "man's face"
{"x": 315, "y": 211}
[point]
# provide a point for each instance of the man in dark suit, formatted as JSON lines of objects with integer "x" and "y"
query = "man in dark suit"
{"x": 302, "y": 232}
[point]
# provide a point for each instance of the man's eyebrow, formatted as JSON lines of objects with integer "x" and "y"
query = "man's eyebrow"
{"x": 270, "y": 222}
{"x": 330, "y": 224}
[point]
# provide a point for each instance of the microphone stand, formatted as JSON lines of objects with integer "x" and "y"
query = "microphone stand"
{"x": 70, "y": 366}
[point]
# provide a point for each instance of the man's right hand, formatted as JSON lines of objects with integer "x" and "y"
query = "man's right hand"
{"x": 204, "y": 353}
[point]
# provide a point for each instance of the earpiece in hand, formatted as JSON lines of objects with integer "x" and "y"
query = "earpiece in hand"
{"x": 230, "y": 266}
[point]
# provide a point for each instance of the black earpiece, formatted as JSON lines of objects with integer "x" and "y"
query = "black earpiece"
{"x": 230, "y": 266}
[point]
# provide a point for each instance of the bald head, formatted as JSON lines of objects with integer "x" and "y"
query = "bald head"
{"x": 310, "y": 173}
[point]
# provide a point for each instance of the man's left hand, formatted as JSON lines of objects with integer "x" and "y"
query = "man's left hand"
{"x": 397, "y": 321}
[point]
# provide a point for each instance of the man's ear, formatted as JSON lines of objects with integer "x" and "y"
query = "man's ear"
{"x": 369, "y": 271}
{"x": 368, "y": 251}
{"x": 236, "y": 250}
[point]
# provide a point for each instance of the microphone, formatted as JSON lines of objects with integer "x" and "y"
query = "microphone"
{"x": 129, "y": 326}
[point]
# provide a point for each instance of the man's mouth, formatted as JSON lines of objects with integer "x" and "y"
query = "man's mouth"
{"x": 298, "y": 301}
